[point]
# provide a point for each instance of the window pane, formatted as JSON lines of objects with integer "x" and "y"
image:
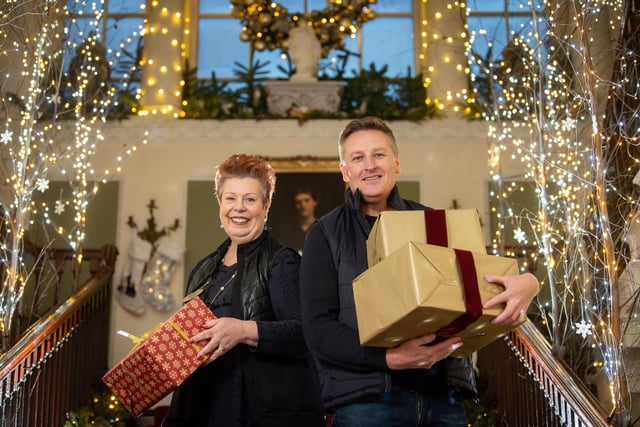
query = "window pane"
{"x": 389, "y": 41}
{"x": 341, "y": 63}
{"x": 492, "y": 31}
{"x": 500, "y": 6}
{"x": 487, "y": 5}
{"x": 84, "y": 7}
{"x": 486, "y": 32}
{"x": 123, "y": 31}
{"x": 219, "y": 46}
{"x": 521, "y": 26}
{"x": 125, "y": 6}
{"x": 275, "y": 59}
{"x": 521, "y": 5}
{"x": 79, "y": 30}
{"x": 293, "y": 6}
{"x": 215, "y": 6}
{"x": 123, "y": 36}
{"x": 316, "y": 4}
{"x": 388, "y": 6}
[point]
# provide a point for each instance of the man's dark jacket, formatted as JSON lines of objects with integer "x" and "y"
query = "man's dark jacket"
{"x": 346, "y": 229}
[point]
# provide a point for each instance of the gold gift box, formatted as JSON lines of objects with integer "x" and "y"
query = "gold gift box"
{"x": 393, "y": 229}
{"x": 417, "y": 290}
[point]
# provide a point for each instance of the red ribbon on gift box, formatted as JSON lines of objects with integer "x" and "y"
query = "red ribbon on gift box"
{"x": 435, "y": 222}
{"x": 436, "y": 226}
{"x": 471, "y": 291}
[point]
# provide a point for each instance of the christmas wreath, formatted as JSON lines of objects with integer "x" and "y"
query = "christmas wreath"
{"x": 266, "y": 24}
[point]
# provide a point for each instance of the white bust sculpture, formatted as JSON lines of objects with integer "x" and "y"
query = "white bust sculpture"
{"x": 305, "y": 51}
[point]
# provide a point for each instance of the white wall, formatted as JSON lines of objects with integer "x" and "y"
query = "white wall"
{"x": 448, "y": 157}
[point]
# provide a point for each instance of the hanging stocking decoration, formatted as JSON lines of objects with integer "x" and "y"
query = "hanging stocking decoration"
{"x": 155, "y": 283}
{"x": 128, "y": 292}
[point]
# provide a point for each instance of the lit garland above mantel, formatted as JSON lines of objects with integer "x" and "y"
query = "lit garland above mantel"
{"x": 266, "y": 24}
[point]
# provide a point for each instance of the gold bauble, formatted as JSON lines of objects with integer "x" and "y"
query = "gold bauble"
{"x": 264, "y": 19}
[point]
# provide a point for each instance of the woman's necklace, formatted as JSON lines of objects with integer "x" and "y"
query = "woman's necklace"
{"x": 233, "y": 276}
{"x": 201, "y": 289}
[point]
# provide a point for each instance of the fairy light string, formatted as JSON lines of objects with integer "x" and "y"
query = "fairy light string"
{"x": 52, "y": 128}
{"x": 545, "y": 111}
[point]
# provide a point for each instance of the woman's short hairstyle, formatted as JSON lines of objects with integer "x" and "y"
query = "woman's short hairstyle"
{"x": 367, "y": 123}
{"x": 246, "y": 166}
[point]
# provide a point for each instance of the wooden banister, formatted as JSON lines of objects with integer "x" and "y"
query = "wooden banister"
{"x": 530, "y": 387}
{"x": 60, "y": 357}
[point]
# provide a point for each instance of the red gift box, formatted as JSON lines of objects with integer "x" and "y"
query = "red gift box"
{"x": 160, "y": 362}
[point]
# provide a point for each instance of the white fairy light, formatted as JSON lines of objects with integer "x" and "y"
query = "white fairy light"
{"x": 47, "y": 130}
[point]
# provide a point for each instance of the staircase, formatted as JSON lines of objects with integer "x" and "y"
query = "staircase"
{"x": 50, "y": 370}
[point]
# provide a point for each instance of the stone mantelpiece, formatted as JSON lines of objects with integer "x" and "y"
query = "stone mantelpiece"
{"x": 306, "y": 95}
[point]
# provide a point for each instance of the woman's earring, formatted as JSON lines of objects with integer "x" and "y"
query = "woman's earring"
{"x": 221, "y": 226}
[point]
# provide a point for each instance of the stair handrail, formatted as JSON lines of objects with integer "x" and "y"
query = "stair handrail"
{"x": 83, "y": 316}
{"x": 584, "y": 402}
{"x": 43, "y": 327}
{"x": 570, "y": 401}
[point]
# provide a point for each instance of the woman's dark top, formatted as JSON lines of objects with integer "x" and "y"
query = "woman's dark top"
{"x": 213, "y": 395}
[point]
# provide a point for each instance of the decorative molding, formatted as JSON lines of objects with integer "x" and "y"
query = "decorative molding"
{"x": 162, "y": 130}
{"x": 304, "y": 164}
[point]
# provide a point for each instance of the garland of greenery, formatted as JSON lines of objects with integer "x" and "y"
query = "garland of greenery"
{"x": 266, "y": 24}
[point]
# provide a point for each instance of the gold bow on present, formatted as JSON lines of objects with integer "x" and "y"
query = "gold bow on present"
{"x": 139, "y": 340}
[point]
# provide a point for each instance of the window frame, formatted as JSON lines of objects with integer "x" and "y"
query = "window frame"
{"x": 105, "y": 18}
{"x": 193, "y": 17}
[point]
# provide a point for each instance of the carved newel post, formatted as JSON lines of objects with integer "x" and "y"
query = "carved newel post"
{"x": 305, "y": 51}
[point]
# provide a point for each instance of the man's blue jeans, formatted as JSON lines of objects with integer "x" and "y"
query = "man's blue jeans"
{"x": 403, "y": 408}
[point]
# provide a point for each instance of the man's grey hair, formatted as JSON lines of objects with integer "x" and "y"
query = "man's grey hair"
{"x": 367, "y": 123}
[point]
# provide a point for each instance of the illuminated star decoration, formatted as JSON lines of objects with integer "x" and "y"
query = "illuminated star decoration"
{"x": 519, "y": 235}
{"x": 59, "y": 209}
{"x": 6, "y": 136}
{"x": 568, "y": 124}
{"x": 42, "y": 184}
{"x": 583, "y": 328}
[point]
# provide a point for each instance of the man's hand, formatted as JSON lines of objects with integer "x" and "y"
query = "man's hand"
{"x": 417, "y": 353}
{"x": 519, "y": 291}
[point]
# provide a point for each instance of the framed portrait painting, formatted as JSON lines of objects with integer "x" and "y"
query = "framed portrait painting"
{"x": 306, "y": 188}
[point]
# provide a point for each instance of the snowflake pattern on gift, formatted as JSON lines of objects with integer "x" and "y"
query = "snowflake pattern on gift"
{"x": 161, "y": 362}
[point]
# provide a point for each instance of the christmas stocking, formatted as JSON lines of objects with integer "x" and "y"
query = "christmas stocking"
{"x": 155, "y": 283}
{"x": 128, "y": 292}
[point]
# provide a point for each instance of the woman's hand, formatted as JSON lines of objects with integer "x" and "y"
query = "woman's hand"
{"x": 519, "y": 291}
{"x": 416, "y": 353}
{"x": 223, "y": 334}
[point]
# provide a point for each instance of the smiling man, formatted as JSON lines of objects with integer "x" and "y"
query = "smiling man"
{"x": 415, "y": 383}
